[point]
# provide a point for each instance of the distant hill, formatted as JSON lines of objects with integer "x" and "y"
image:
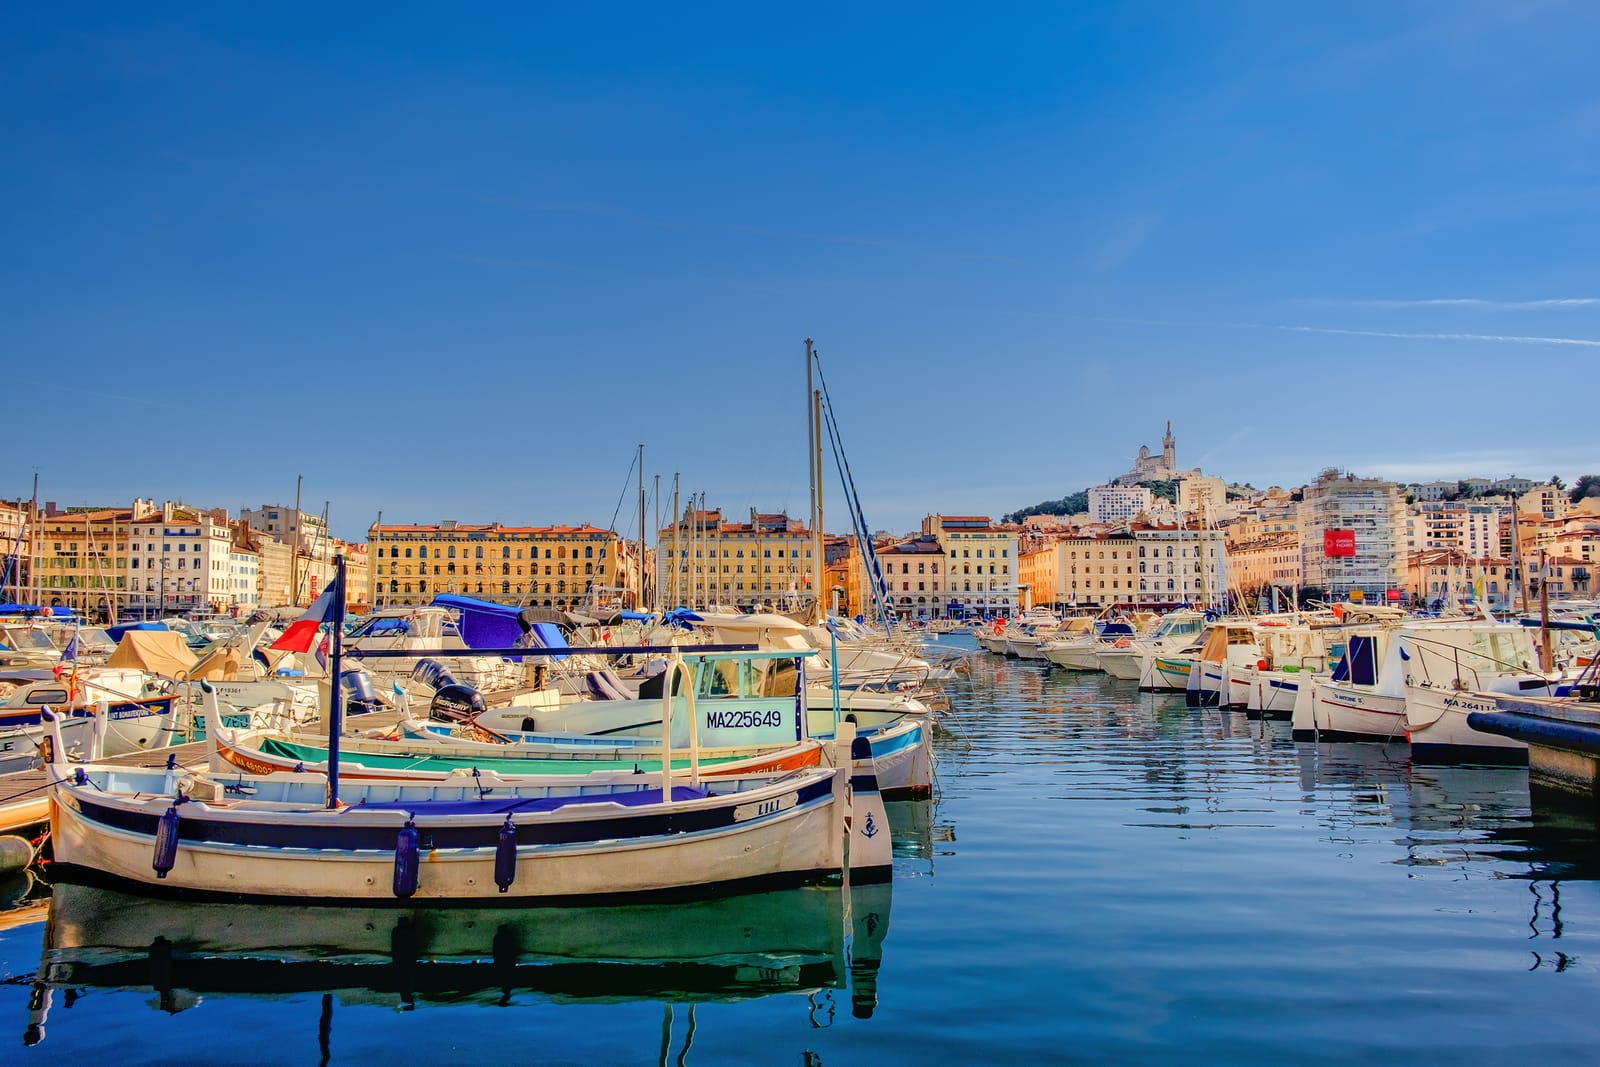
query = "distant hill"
{"x": 1076, "y": 503}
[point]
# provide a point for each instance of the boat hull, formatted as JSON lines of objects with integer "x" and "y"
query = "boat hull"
{"x": 1436, "y": 719}
{"x": 772, "y": 837}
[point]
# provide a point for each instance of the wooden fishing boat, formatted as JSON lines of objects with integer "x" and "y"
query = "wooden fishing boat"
{"x": 593, "y": 838}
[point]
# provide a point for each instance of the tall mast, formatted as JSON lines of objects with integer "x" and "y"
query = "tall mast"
{"x": 35, "y": 546}
{"x": 372, "y": 562}
{"x": 638, "y": 602}
{"x": 294, "y": 551}
{"x": 813, "y": 474}
{"x": 675, "y": 594}
{"x": 1516, "y": 568}
{"x": 1547, "y": 661}
{"x": 656, "y": 527}
{"x": 818, "y": 609}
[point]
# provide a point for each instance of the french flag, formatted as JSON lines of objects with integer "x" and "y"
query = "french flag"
{"x": 303, "y": 631}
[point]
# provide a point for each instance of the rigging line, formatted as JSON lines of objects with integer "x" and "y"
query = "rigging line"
{"x": 848, "y": 479}
{"x": 864, "y": 540}
{"x": 624, "y": 494}
{"x": 869, "y": 553}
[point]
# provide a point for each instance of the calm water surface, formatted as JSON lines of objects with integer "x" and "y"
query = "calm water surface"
{"x": 1103, "y": 875}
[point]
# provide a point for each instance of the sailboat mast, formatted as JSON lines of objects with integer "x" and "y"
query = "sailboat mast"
{"x": 294, "y": 552}
{"x": 638, "y": 601}
{"x": 35, "y": 546}
{"x": 373, "y": 565}
{"x": 819, "y": 609}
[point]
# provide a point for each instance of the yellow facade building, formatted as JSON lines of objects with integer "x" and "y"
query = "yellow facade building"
{"x": 567, "y": 567}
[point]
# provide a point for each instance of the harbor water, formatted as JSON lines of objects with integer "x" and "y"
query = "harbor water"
{"x": 1103, "y": 875}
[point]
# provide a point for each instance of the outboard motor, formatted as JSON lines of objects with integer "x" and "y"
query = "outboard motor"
{"x": 432, "y": 673}
{"x": 359, "y": 697}
{"x": 456, "y": 702}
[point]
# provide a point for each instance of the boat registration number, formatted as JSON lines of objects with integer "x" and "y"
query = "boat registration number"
{"x": 744, "y": 719}
{"x": 746, "y": 812}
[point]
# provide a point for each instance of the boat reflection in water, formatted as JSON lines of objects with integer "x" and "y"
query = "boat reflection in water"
{"x": 736, "y": 948}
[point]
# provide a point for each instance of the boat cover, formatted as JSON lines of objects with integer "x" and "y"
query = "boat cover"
{"x": 160, "y": 652}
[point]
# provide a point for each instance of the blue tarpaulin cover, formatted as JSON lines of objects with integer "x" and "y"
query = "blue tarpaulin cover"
{"x": 484, "y": 624}
{"x": 116, "y": 632}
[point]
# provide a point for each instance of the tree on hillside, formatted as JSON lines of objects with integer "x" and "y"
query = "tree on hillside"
{"x": 1586, "y": 485}
{"x": 1555, "y": 480}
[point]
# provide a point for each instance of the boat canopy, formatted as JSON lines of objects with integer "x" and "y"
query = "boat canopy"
{"x": 485, "y": 624}
{"x": 160, "y": 652}
{"x": 116, "y": 632}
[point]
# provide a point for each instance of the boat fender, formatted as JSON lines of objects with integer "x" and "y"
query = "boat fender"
{"x": 456, "y": 702}
{"x": 407, "y": 847}
{"x": 166, "y": 851}
{"x": 1261, "y": 664}
{"x": 505, "y": 856}
{"x": 15, "y": 855}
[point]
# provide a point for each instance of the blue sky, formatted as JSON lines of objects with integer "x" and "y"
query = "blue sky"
{"x": 461, "y": 263}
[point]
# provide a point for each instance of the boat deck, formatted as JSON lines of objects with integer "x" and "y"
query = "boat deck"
{"x": 24, "y": 797}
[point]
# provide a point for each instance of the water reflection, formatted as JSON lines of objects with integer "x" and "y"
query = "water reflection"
{"x": 809, "y": 941}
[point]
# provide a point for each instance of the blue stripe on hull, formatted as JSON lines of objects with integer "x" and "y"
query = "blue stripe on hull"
{"x": 199, "y": 830}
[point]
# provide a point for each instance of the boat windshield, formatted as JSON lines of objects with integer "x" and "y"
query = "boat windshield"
{"x": 1187, "y": 624}
{"x": 27, "y": 640}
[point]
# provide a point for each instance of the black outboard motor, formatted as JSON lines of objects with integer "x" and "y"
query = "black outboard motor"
{"x": 432, "y": 673}
{"x": 359, "y": 697}
{"x": 456, "y": 702}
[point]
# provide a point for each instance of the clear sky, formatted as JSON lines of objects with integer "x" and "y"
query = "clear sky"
{"x": 458, "y": 262}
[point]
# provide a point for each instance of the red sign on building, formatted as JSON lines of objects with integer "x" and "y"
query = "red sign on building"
{"x": 1338, "y": 542}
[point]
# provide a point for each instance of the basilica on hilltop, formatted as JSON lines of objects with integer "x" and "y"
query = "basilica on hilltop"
{"x": 1151, "y": 468}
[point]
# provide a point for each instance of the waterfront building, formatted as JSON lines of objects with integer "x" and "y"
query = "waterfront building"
{"x": 179, "y": 561}
{"x": 244, "y": 572}
{"x": 979, "y": 558}
{"x": 1442, "y": 575}
{"x": 1273, "y": 560}
{"x": 357, "y": 574}
{"x": 565, "y": 567}
{"x": 1119, "y": 503}
{"x": 915, "y": 572}
{"x": 81, "y": 556}
{"x": 1139, "y": 566}
{"x": 277, "y": 571}
{"x": 1351, "y": 534}
{"x": 765, "y": 563}
{"x": 16, "y": 550}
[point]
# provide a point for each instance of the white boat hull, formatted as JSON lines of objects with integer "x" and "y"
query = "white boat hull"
{"x": 1436, "y": 719}
{"x": 1124, "y": 663}
{"x": 1331, "y": 711}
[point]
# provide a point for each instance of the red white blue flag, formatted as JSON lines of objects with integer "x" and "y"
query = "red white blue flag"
{"x": 303, "y": 631}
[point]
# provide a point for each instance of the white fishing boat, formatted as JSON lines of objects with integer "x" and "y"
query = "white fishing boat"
{"x": 1452, "y": 670}
{"x": 1420, "y": 681}
{"x": 1081, "y": 650}
{"x": 1126, "y": 661}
